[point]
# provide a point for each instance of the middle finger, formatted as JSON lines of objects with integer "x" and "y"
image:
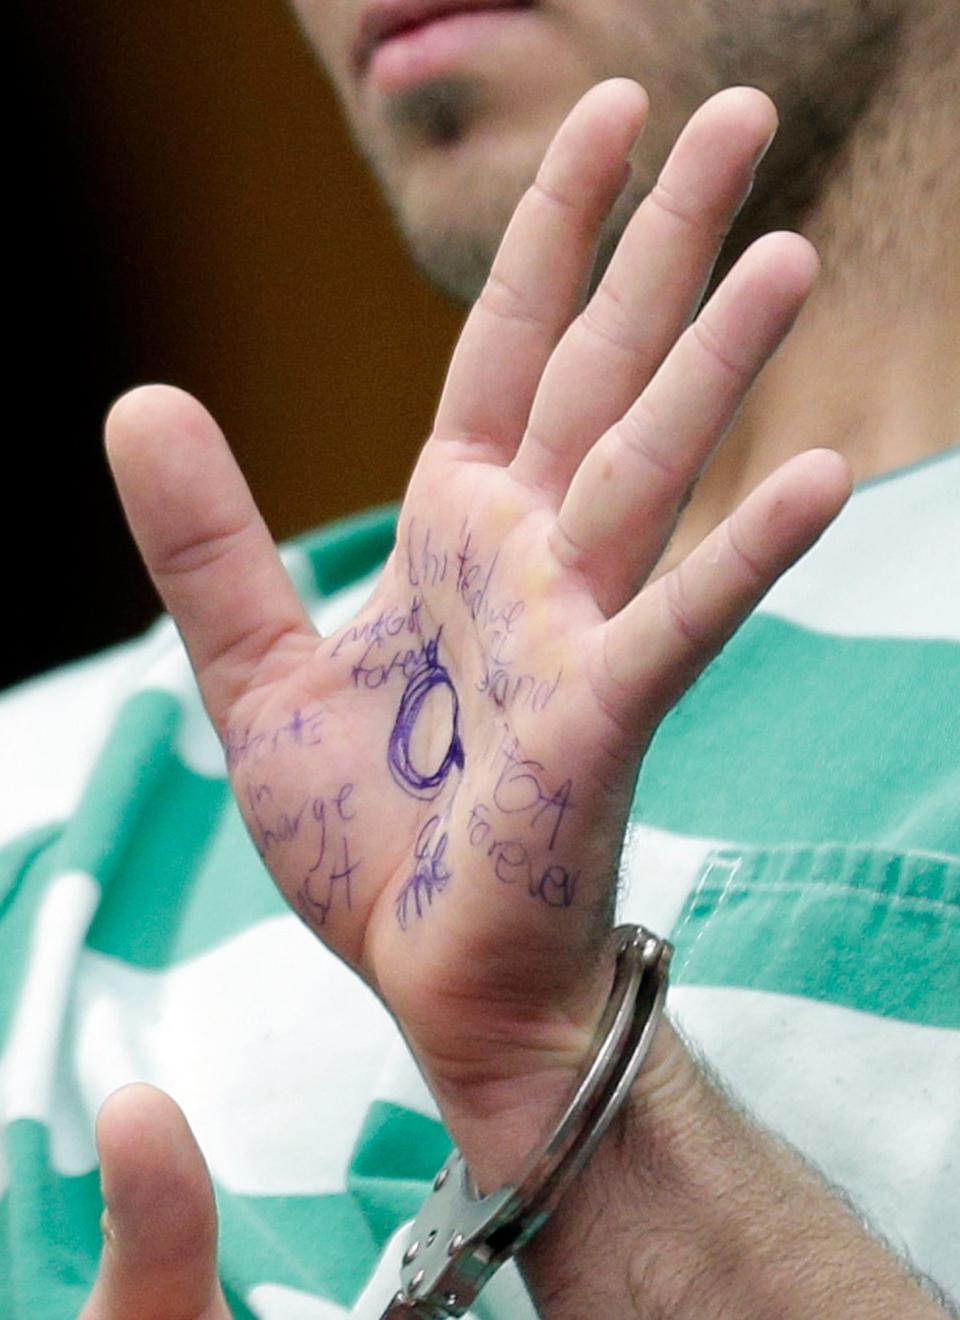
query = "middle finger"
{"x": 651, "y": 288}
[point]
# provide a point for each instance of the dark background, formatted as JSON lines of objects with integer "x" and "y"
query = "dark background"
{"x": 187, "y": 207}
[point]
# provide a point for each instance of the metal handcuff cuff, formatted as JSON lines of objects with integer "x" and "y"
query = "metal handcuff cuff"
{"x": 460, "y": 1238}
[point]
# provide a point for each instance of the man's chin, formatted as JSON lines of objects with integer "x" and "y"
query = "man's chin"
{"x": 451, "y": 215}
{"x": 453, "y": 166}
{"x": 455, "y": 264}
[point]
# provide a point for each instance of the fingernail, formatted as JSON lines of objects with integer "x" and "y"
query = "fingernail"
{"x": 765, "y": 147}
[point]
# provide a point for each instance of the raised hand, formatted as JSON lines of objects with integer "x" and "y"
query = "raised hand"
{"x": 440, "y": 788}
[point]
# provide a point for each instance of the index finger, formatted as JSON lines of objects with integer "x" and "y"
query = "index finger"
{"x": 539, "y": 277}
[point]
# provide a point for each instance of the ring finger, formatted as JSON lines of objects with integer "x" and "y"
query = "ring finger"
{"x": 623, "y": 502}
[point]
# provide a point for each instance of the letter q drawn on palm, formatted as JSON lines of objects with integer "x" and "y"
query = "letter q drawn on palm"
{"x": 429, "y": 674}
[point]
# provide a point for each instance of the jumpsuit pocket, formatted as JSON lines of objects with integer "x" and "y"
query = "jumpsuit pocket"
{"x": 860, "y": 927}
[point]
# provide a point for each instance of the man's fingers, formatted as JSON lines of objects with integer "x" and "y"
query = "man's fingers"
{"x": 651, "y": 287}
{"x": 539, "y": 277}
{"x": 159, "y": 1259}
{"x": 624, "y": 500}
{"x": 205, "y": 544}
{"x": 655, "y": 647}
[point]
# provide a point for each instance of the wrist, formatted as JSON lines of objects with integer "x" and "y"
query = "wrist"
{"x": 515, "y": 1070}
{"x": 635, "y": 1194}
{"x": 690, "y": 1210}
{"x": 497, "y": 1120}
{"x": 498, "y": 1125}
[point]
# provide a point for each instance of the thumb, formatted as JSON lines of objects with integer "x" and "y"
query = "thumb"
{"x": 159, "y": 1259}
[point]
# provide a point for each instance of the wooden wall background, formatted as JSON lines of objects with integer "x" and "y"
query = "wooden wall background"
{"x": 188, "y": 207}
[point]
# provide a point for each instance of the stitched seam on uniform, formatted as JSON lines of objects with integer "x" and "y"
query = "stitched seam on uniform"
{"x": 695, "y": 894}
{"x": 806, "y": 886}
{"x": 731, "y": 867}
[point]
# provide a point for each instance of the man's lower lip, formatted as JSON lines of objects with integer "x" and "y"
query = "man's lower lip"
{"x": 435, "y": 47}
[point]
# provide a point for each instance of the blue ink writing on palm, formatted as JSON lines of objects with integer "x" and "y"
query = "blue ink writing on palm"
{"x": 430, "y": 873}
{"x": 429, "y": 676}
{"x": 512, "y": 861}
{"x": 315, "y": 905}
{"x": 242, "y": 746}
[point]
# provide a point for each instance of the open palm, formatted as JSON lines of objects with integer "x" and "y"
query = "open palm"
{"x": 441, "y": 787}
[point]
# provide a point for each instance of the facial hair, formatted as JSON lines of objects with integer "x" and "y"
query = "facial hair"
{"x": 438, "y": 113}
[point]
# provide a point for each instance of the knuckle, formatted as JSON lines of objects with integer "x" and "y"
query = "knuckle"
{"x": 662, "y": 199}
{"x": 502, "y": 300}
{"x": 606, "y": 318}
{"x": 636, "y": 433}
{"x": 745, "y": 557}
{"x": 544, "y": 193}
{"x": 679, "y": 611}
{"x": 707, "y": 338}
{"x": 194, "y": 555}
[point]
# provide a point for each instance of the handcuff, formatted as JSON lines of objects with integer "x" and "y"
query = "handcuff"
{"x": 460, "y": 1238}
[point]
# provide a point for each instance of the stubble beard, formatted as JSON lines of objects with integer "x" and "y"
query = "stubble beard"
{"x": 453, "y": 249}
{"x": 823, "y": 67}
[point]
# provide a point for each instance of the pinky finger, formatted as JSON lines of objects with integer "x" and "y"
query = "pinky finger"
{"x": 665, "y": 637}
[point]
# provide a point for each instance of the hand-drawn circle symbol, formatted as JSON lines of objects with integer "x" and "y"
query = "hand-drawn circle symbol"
{"x": 429, "y": 674}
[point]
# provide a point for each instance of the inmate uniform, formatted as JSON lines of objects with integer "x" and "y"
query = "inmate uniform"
{"x": 796, "y": 833}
